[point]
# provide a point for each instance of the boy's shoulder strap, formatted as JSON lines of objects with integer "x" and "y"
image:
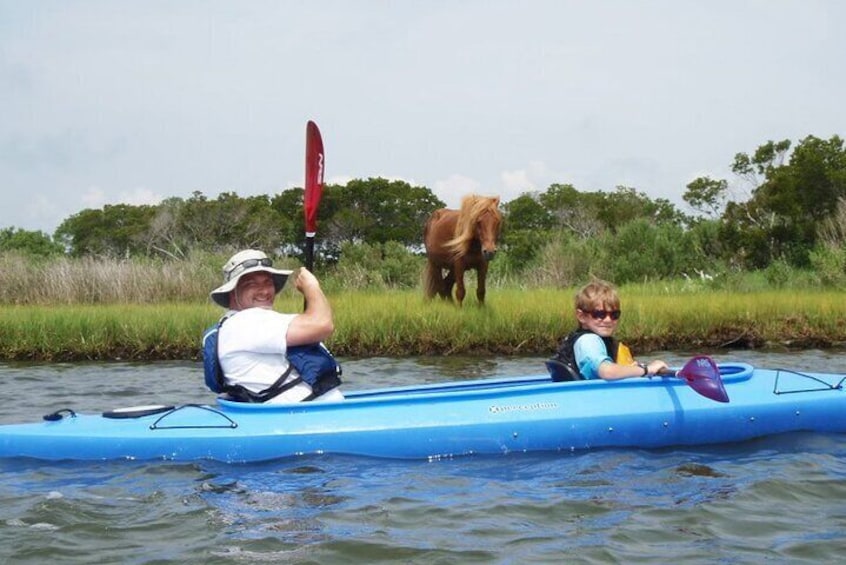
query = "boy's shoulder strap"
{"x": 563, "y": 367}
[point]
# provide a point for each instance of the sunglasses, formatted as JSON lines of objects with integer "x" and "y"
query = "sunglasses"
{"x": 601, "y": 314}
{"x": 248, "y": 264}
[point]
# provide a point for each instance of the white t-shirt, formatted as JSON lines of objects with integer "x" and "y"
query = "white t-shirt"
{"x": 251, "y": 347}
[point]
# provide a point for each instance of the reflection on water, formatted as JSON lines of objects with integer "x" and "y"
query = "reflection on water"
{"x": 770, "y": 500}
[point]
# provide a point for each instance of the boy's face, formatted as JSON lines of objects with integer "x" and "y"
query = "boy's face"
{"x": 600, "y": 320}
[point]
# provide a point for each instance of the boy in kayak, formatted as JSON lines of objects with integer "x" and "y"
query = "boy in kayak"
{"x": 590, "y": 352}
{"x": 254, "y": 342}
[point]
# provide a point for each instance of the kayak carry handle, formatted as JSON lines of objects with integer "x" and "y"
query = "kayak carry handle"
{"x": 59, "y": 414}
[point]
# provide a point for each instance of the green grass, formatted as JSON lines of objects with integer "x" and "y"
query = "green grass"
{"x": 400, "y": 323}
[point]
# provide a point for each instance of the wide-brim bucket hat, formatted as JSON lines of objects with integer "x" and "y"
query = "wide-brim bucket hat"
{"x": 244, "y": 263}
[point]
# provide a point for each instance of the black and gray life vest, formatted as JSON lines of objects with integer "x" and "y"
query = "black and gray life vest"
{"x": 563, "y": 367}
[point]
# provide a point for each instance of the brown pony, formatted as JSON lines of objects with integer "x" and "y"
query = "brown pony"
{"x": 459, "y": 240}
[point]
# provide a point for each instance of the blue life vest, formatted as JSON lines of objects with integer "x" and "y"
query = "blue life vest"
{"x": 313, "y": 362}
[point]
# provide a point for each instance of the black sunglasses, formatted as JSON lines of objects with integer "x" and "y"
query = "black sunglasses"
{"x": 601, "y": 314}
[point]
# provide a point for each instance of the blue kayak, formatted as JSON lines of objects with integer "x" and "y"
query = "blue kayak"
{"x": 488, "y": 416}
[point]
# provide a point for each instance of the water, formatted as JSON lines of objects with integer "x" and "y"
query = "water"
{"x": 776, "y": 500}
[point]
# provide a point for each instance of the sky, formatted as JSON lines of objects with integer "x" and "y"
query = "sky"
{"x": 107, "y": 102}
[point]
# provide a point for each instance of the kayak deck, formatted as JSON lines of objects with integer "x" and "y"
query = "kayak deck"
{"x": 485, "y": 416}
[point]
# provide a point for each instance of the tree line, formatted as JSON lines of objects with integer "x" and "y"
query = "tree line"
{"x": 794, "y": 216}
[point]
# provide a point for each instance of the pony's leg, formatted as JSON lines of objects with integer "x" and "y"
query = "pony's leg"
{"x": 446, "y": 287}
{"x": 460, "y": 291}
{"x": 434, "y": 280}
{"x": 480, "y": 284}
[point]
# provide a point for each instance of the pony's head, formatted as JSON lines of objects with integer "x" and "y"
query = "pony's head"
{"x": 479, "y": 219}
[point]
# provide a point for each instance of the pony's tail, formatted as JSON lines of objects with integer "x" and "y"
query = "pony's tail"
{"x": 433, "y": 280}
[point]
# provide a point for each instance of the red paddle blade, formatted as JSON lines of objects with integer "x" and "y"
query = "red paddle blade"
{"x": 703, "y": 376}
{"x": 313, "y": 177}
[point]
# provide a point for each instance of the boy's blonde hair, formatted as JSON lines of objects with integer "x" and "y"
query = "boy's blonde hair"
{"x": 597, "y": 294}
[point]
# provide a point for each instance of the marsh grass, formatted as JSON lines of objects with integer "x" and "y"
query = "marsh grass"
{"x": 399, "y": 323}
{"x": 161, "y": 331}
{"x": 88, "y": 309}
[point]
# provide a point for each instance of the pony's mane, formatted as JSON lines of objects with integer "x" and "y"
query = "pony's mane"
{"x": 472, "y": 206}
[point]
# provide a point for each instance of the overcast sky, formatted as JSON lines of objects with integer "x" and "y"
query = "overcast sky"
{"x": 103, "y": 102}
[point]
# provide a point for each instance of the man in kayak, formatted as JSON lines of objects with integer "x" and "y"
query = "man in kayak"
{"x": 254, "y": 342}
{"x": 591, "y": 352}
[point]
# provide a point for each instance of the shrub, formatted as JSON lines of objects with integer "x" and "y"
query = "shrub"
{"x": 384, "y": 265}
{"x": 778, "y": 273}
{"x": 829, "y": 265}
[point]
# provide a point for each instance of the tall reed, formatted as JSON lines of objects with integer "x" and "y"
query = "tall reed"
{"x": 89, "y": 280}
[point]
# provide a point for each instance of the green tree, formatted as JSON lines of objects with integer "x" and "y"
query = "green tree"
{"x": 175, "y": 227}
{"x": 643, "y": 250}
{"x": 626, "y": 204}
{"x": 781, "y": 219}
{"x": 225, "y": 223}
{"x": 533, "y": 220}
{"x": 377, "y": 210}
{"x": 166, "y": 235}
{"x": 526, "y": 212}
{"x": 526, "y": 224}
{"x": 573, "y": 210}
{"x": 589, "y": 214}
{"x": 706, "y": 195}
{"x": 33, "y": 243}
{"x": 383, "y": 265}
{"x": 708, "y": 247}
{"x": 767, "y": 158}
{"x": 373, "y": 211}
{"x": 115, "y": 231}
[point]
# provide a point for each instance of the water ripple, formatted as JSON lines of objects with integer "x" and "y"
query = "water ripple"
{"x": 777, "y": 500}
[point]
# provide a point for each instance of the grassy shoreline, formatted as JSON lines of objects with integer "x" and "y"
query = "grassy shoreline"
{"x": 401, "y": 323}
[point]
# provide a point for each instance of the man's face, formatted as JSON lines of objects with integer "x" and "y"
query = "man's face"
{"x": 254, "y": 290}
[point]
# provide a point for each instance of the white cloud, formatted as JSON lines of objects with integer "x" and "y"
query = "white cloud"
{"x": 140, "y": 196}
{"x": 535, "y": 177}
{"x": 39, "y": 212}
{"x": 187, "y": 98}
{"x": 517, "y": 181}
{"x": 334, "y": 179}
{"x": 94, "y": 197}
{"x": 454, "y": 187}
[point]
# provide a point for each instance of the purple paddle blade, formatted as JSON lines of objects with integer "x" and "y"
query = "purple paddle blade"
{"x": 703, "y": 376}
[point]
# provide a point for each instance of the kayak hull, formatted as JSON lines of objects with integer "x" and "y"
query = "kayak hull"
{"x": 493, "y": 416}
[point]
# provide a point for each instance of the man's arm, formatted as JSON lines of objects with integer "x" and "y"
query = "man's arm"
{"x": 316, "y": 322}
